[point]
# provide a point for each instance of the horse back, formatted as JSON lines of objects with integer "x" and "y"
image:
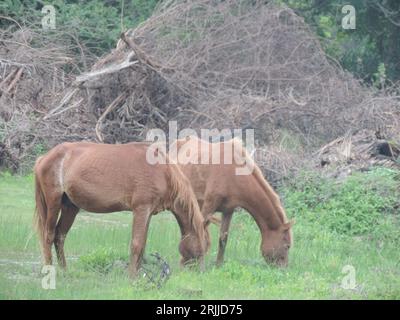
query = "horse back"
{"x": 207, "y": 169}
{"x": 102, "y": 177}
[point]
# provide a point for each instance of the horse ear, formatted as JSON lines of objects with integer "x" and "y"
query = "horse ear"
{"x": 288, "y": 225}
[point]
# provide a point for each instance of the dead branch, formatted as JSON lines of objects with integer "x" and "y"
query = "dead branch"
{"x": 15, "y": 80}
{"x": 108, "y": 70}
{"x": 110, "y": 108}
{"x": 68, "y": 96}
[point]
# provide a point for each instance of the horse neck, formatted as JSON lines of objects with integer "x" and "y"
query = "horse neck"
{"x": 262, "y": 205}
{"x": 184, "y": 204}
{"x": 186, "y": 226}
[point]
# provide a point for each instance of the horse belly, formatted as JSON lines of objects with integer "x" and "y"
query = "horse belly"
{"x": 93, "y": 201}
{"x": 99, "y": 193}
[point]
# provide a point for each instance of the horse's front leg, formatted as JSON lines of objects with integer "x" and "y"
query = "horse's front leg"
{"x": 140, "y": 227}
{"x": 223, "y": 235}
{"x": 202, "y": 264}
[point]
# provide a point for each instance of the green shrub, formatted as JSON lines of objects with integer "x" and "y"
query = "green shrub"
{"x": 101, "y": 260}
{"x": 365, "y": 204}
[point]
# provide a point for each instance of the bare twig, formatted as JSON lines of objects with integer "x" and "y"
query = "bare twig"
{"x": 110, "y": 108}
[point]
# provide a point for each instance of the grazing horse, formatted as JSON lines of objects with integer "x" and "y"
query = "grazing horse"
{"x": 106, "y": 178}
{"x": 218, "y": 187}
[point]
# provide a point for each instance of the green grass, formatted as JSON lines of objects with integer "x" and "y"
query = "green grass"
{"x": 352, "y": 223}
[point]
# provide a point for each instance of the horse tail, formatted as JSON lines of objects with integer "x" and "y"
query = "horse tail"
{"x": 41, "y": 207}
{"x": 182, "y": 195}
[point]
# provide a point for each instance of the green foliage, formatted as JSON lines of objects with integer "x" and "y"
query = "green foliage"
{"x": 39, "y": 149}
{"x": 374, "y": 42}
{"x": 5, "y": 174}
{"x": 380, "y": 75}
{"x": 95, "y": 23}
{"x": 365, "y": 204}
{"x": 100, "y": 260}
{"x": 327, "y": 26}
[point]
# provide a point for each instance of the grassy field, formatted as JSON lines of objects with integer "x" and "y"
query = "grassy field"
{"x": 354, "y": 223}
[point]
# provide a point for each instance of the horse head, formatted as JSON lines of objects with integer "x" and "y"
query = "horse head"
{"x": 195, "y": 244}
{"x": 276, "y": 243}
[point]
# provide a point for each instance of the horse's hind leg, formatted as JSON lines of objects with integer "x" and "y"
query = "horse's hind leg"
{"x": 140, "y": 227}
{"x": 53, "y": 209}
{"x": 68, "y": 214}
{"x": 223, "y": 235}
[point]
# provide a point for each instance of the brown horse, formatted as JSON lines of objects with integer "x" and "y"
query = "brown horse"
{"x": 105, "y": 178}
{"x": 218, "y": 187}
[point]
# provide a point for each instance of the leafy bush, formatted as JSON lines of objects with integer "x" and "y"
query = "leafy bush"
{"x": 101, "y": 260}
{"x": 364, "y": 204}
{"x": 361, "y": 51}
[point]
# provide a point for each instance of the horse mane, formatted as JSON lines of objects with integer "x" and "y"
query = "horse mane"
{"x": 182, "y": 194}
{"x": 257, "y": 174}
